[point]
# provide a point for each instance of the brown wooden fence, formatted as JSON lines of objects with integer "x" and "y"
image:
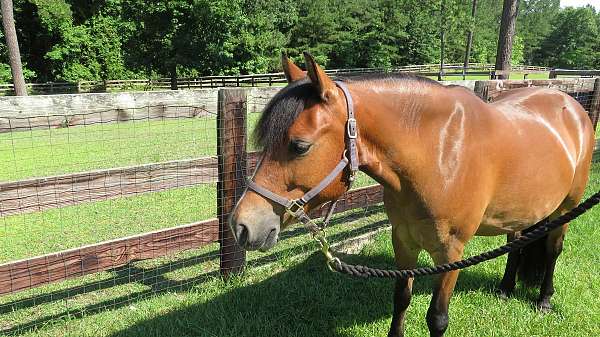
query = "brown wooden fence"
{"x": 229, "y": 168}
{"x": 448, "y": 70}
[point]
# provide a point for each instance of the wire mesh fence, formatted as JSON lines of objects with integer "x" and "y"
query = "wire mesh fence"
{"x": 82, "y": 201}
{"x": 111, "y": 206}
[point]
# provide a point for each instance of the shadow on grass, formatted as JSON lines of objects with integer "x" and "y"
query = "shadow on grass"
{"x": 305, "y": 300}
{"x": 156, "y": 280}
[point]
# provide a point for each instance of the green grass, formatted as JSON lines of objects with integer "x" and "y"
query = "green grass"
{"x": 33, "y": 234}
{"x": 26, "y": 154}
{"x": 294, "y": 295}
{"x": 79, "y": 149}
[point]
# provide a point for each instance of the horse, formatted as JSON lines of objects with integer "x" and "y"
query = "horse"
{"x": 451, "y": 165}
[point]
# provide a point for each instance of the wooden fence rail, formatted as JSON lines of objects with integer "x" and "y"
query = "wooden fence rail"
{"x": 451, "y": 69}
{"x": 39, "y": 194}
{"x": 34, "y": 195}
{"x": 555, "y": 73}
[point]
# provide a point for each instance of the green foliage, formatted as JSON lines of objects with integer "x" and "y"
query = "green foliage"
{"x": 54, "y": 15}
{"x": 535, "y": 23}
{"x": 574, "y": 41}
{"x": 518, "y": 51}
{"x": 115, "y": 39}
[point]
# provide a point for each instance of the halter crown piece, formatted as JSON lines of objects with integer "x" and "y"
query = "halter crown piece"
{"x": 295, "y": 208}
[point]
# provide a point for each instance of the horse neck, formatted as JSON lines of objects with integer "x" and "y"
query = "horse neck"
{"x": 394, "y": 125}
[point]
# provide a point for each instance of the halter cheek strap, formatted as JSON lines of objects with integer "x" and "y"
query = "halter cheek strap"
{"x": 351, "y": 130}
{"x": 295, "y": 208}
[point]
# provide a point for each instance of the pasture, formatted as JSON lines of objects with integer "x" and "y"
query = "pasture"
{"x": 290, "y": 292}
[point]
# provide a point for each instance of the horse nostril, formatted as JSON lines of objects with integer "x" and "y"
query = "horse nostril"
{"x": 241, "y": 233}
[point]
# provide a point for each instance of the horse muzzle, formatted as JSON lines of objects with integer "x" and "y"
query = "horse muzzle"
{"x": 255, "y": 232}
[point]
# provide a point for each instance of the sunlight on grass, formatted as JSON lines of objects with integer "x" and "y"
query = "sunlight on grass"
{"x": 50, "y": 152}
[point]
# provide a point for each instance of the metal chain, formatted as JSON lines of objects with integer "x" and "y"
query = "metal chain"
{"x": 541, "y": 229}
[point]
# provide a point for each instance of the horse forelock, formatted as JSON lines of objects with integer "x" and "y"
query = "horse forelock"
{"x": 281, "y": 112}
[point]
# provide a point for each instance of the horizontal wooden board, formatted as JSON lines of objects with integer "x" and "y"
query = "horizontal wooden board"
{"x": 496, "y": 87}
{"x": 25, "y": 274}
{"x": 39, "y": 194}
{"x": 66, "y": 119}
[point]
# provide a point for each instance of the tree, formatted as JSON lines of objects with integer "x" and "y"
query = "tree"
{"x": 470, "y": 35}
{"x": 12, "y": 43}
{"x": 574, "y": 42}
{"x": 505, "y": 39}
{"x": 535, "y": 23}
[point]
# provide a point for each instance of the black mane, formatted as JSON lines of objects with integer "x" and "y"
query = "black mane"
{"x": 283, "y": 109}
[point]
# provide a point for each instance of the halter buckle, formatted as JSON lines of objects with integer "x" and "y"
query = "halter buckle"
{"x": 351, "y": 129}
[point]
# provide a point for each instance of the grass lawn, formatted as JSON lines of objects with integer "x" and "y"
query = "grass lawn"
{"x": 50, "y": 152}
{"x": 293, "y": 294}
{"x": 41, "y": 153}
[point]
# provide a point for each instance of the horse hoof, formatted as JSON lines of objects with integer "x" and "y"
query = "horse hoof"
{"x": 503, "y": 293}
{"x": 544, "y": 307}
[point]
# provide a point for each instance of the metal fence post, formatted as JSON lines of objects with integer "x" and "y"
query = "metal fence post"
{"x": 231, "y": 152}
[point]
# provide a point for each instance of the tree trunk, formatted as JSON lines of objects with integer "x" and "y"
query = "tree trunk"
{"x": 469, "y": 39}
{"x": 505, "y": 39}
{"x": 174, "y": 77}
{"x": 442, "y": 38}
{"x": 12, "y": 43}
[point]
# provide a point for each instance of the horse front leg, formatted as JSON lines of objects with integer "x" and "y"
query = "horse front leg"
{"x": 437, "y": 314}
{"x": 406, "y": 258}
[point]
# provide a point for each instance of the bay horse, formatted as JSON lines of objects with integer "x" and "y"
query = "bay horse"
{"x": 452, "y": 166}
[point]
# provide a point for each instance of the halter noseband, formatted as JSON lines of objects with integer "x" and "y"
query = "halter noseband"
{"x": 295, "y": 207}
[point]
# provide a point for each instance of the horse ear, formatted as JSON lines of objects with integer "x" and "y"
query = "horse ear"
{"x": 291, "y": 71}
{"x": 324, "y": 85}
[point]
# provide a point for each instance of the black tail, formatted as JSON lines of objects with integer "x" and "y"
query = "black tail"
{"x": 532, "y": 264}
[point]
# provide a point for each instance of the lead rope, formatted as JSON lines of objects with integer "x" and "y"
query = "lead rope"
{"x": 542, "y": 228}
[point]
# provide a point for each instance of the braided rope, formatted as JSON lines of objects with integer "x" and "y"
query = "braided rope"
{"x": 542, "y": 229}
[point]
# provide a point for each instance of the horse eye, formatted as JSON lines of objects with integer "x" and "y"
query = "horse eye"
{"x": 299, "y": 147}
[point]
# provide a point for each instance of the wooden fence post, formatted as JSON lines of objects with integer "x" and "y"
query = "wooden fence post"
{"x": 231, "y": 152}
{"x": 481, "y": 90}
{"x": 595, "y": 106}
